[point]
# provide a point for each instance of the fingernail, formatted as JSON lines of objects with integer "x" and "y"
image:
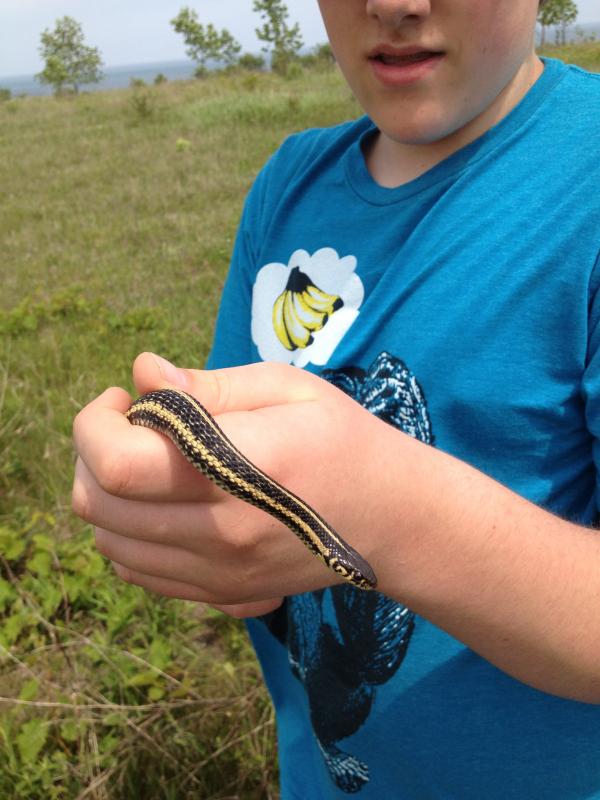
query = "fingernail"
{"x": 170, "y": 372}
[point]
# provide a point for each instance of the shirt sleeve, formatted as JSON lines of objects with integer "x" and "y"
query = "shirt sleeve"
{"x": 232, "y": 341}
{"x": 591, "y": 377}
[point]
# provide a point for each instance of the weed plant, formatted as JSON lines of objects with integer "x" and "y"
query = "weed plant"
{"x": 118, "y": 219}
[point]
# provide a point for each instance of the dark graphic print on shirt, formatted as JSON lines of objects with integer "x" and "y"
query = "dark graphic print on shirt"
{"x": 343, "y": 642}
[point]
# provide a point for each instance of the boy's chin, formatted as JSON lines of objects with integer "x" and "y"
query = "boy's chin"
{"x": 417, "y": 138}
{"x": 416, "y": 126}
{"x": 421, "y": 133}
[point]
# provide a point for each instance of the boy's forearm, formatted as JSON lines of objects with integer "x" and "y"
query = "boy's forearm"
{"x": 517, "y": 584}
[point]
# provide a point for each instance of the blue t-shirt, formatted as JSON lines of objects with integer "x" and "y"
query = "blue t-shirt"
{"x": 462, "y": 308}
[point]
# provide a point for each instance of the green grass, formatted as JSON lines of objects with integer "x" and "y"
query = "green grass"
{"x": 118, "y": 218}
{"x": 115, "y": 238}
{"x": 583, "y": 55}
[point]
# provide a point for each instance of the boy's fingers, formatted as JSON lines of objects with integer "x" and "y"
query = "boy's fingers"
{"x": 245, "y": 610}
{"x": 233, "y": 389}
{"x": 114, "y": 399}
{"x": 103, "y": 417}
{"x": 135, "y": 463}
{"x": 161, "y": 520}
{"x": 130, "y": 461}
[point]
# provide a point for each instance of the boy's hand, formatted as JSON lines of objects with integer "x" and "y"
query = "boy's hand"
{"x": 453, "y": 545}
{"x": 169, "y": 529}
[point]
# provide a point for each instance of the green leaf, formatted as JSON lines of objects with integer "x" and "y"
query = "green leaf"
{"x": 12, "y": 544}
{"x": 95, "y": 566}
{"x": 13, "y": 626}
{"x": 29, "y": 690}
{"x": 51, "y": 599}
{"x": 160, "y": 653}
{"x": 43, "y": 542}
{"x": 31, "y": 739}
{"x": 145, "y": 678}
{"x": 114, "y": 720}
{"x": 75, "y": 586}
{"x": 7, "y": 593}
{"x": 108, "y": 744}
{"x": 155, "y": 693}
{"x": 122, "y": 611}
{"x": 69, "y": 731}
{"x": 212, "y": 613}
{"x": 74, "y": 562}
{"x": 40, "y": 564}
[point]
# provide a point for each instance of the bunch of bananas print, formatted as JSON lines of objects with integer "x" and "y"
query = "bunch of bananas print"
{"x": 301, "y": 310}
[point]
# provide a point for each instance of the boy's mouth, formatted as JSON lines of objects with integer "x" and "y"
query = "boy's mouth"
{"x": 423, "y": 55}
{"x": 407, "y": 55}
{"x": 403, "y": 65}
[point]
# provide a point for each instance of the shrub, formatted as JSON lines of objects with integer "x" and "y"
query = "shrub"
{"x": 251, "y": 62}
{"x": 142, "y": 101}
{"x": 293, "y": 70}
{"x": 320, "y": 57}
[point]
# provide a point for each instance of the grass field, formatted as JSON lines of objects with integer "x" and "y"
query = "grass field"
{"x": 118, "y": 220}
{"x": 121, "y": 214}
{"x": 586, "y": 55}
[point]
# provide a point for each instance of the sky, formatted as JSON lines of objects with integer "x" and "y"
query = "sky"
{"x": 138, "y": 31}
{"x": 133, "y": 31}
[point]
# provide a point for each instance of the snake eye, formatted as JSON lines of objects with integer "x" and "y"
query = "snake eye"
{"x": 301, "y": 310}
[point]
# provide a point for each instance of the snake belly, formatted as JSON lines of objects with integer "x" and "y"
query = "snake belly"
{"x": 197, "y": 436}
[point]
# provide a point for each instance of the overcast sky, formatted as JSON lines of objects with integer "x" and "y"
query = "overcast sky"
{"x": 138, "y": 31}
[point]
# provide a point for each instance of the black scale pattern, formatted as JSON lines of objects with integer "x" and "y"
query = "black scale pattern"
{"x": 351, "y": 564}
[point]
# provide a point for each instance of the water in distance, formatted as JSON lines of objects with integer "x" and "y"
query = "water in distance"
{"x": 114, "y": 77}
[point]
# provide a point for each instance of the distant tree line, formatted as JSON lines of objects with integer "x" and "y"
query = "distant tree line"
{"x": 69, "y": 63}
{"x": 206, "y": 45}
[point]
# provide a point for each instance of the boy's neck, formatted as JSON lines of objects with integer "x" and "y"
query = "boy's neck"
{"x": 392, "y": 163}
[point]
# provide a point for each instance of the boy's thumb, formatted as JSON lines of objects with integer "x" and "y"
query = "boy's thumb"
{"x": 152, "y": 372}
{"x": 232, "y": 389}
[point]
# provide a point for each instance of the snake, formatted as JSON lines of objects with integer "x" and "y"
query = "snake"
{"x": 198, "y": 437}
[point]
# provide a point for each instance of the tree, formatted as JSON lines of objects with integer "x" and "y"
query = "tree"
{"x": 284, "y": 41}
{"x": 568, "y": 17}
{"x": 559, "y": 14}
{"x": 68, "y": 61}
{"x": 205, "y": 42}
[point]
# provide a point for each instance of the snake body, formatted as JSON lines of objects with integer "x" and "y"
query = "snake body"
{"x": 201, "y": 441}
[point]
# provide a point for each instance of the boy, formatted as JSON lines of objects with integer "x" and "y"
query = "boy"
{"x": 437, "y": 263}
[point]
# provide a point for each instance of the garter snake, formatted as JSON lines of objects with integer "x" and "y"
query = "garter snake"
{"x": 201, "y": 441}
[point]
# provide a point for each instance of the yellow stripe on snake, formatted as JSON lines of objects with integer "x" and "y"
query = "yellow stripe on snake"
{"x": 201, "y": 441}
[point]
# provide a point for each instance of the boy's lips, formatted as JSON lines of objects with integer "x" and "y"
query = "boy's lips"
{"x": 403, "y": 65}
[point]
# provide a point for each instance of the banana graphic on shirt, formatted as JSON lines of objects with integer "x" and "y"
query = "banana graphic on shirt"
{"x": 301, "y": 310}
